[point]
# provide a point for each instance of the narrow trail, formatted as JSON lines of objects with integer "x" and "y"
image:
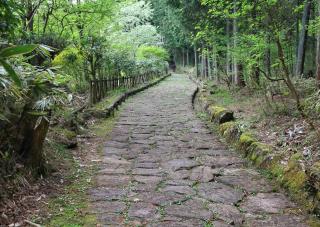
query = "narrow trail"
{"x": 163, "y": 167}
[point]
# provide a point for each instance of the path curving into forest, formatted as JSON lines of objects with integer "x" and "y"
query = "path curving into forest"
{"x": 163, "y": 167}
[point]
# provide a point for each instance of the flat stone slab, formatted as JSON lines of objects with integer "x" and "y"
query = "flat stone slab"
{"x": 112, "y": 171}
{"x": 115, "y": 161}
{"x": 220, "y": 224}
{"x": 183, "y": 190}
{"x": 116, "y": 144}
{"x": 103, "y": 207}
{"x": 181, "y": 223}
{"x": 107, "y": 194}
{"x": 219, "y": 193}
{"x": 147, "y": 172}
{"x": 202, "y": 174}
{"x": 157, "y": 198}
{"x": 147, "y": 165}
{"x": 143, "y": 211}
{"x": 247, "y": 182}
{"x": 180, "y": 182}
{"x": 192, "y": 209}
{"x": 227, "y": 213}
{"x": 147, "y": 179}
{"x": 278, "y": 221}
{"x": 113, "y": 181}
{"x": 179, "y": 164}
{"x": 271, "y": 203}
{"x": 111, "y": 220}
{"x": 222, "y": 161}
{"x": 179, "y": 175}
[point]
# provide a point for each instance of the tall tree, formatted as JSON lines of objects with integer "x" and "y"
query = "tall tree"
{"x": 318, "y": 49}
{"x": 303, "y": 38}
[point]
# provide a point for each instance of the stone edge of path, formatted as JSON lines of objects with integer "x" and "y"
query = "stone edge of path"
{"x": 292, "y": 177}
{"x": 115, "y": 105}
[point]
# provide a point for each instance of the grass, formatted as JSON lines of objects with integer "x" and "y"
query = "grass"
{"x": 112, "y": 96}
{"x": 208, "y": 224}
{"x": 104, "y": 127}
{"x": 222, "y": 97}
{"x": 69, "y": 209}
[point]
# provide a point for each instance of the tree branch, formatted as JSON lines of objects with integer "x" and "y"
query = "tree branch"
{"x": 269, "y": 78}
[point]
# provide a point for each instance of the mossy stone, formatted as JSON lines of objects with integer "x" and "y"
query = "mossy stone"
{"x": 220, "y": 114}
{"x": 315, "y": 175}
{"x": 230, "y": 131}
{"x": 246, "y": 139}
{"x": 295, "y": 177}
{"x": 225, "y": 126}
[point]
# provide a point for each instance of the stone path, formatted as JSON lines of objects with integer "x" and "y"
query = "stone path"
{"x": 163, "y": 167}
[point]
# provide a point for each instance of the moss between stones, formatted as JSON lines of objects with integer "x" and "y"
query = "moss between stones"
{"x": 291, "y": 176}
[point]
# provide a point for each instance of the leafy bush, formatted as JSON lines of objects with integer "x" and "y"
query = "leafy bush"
{"x": 70, "y": 65}
{"x": 152, "y": 58}
{"x": 28, "y": 94}
{"x": 152, "y": 52}
{"x": 69, "y": 58}
{"x": 8, "y": 19}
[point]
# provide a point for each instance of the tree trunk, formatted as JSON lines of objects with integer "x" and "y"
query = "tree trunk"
{"x": 268, "y": 59}
{"x": 30, "y": 140}
{"x": 318, "y": 50}
{"x": 183, "y": 61}
{"x": 203, "y": 63}
{"x": 196, "y": 60}
{"x": 188, "y": 61}
{"x": 297, "y": 30}
{"x": 303, "y": 39}
{"x": 236, "y": 75}
{"x": 209, "y": 65}
{"x": 47, "y": 16}
{"x": 29, "y": 17}
{"x": 228, "y": 50}
{"x": 215, "y": 65}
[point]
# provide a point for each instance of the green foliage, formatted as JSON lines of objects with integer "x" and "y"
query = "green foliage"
{"x": 69, "y": 63}
{"x": 312, "y": 104}
{"x": 69, "y": 57}
{"x": 152, "y": 52}
{"x": 9, "y": 18}
{"x": 152, "y": 58}
{"x": 10, "y": 52}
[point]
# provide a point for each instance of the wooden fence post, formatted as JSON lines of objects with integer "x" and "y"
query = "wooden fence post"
{"x": 90, "y": 97}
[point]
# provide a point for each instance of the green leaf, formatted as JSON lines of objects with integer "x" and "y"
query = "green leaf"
{"x": 47, "y": 48}
{"x": 38, "y": 113}
{"x": 12, "y": 74}
{"x": 3, "y": 118}
{"x": 17, "y": 50}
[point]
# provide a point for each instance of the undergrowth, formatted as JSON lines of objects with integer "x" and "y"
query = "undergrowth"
{"x": 70, "y": 208}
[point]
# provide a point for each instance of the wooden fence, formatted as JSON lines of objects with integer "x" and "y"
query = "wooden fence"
{"x": 99, "y": 89}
